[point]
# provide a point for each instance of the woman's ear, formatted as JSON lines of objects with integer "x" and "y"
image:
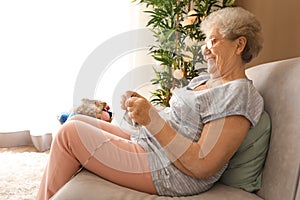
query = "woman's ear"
{"x": 241, "y": 43}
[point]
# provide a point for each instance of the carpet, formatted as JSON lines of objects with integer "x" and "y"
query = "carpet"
{"x": 20, "y": 174}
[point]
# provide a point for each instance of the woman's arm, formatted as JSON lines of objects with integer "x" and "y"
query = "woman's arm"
{"x": 218, "y": 142}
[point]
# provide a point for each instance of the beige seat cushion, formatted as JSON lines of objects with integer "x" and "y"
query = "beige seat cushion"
{"x": 87, "y": 186}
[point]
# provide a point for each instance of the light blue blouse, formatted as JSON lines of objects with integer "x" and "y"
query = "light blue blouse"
{"x": 188, "y": 112}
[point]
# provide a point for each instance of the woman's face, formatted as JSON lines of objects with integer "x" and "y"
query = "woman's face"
{"x": 220, "y": 54}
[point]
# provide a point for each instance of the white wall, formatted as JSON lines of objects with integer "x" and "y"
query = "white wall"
{"x": 43, "y": 45}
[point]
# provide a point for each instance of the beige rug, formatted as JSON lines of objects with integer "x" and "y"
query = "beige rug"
{"x": 20, "y": 174}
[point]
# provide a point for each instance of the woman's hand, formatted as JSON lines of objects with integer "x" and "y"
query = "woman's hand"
{"x": 127, "y": 95}
{"x": 137, "y": 106}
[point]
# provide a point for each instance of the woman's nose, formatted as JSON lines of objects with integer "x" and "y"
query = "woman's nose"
{"x": 204, "y": 50}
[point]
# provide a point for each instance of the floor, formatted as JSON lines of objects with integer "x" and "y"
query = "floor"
{"x": 21, "y": 172}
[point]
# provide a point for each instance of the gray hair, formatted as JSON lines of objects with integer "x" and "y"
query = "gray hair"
{"x": 234, "y": 22}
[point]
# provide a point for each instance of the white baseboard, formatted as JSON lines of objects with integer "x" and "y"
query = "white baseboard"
{"x": 24, "y": 138}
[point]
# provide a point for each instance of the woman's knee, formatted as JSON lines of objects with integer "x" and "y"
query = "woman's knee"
{"x": 76, "y": 117}
{"x": 67, "y": 130}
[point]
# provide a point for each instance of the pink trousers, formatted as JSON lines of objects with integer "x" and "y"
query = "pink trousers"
{"x": 103, "y": 148}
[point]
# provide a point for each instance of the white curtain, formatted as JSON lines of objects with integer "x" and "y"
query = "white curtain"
{"x": 43, "y": 45}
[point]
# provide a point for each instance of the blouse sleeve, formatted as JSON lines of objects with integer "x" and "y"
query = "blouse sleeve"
{"x": 232, "y": 99}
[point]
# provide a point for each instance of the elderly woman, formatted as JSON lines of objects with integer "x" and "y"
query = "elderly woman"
{"x": 182, "y": 150}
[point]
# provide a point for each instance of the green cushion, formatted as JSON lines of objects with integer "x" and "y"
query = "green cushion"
{"x": 245, "y": 168}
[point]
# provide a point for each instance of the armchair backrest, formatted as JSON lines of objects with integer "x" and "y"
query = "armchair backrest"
{"x": 279, "y": 84}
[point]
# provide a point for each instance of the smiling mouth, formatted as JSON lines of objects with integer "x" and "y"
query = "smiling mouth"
{"x": 209, "y": 58}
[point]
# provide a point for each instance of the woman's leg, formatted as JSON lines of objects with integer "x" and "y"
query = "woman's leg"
{"x": 116, "y": 159}
{"x": 106, "y": 126}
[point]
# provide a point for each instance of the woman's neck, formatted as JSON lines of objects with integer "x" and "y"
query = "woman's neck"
{"x": 239, "y": 73}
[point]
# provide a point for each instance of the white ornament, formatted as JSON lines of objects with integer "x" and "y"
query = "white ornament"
{"x": 178, "y": 74}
